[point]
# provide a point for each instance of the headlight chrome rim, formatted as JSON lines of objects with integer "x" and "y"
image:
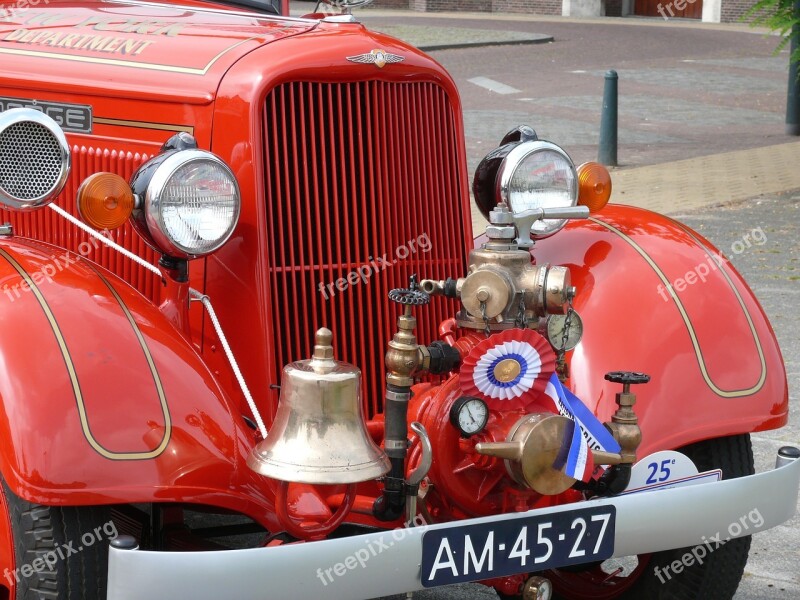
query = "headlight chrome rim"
{"x": 153, "y": 213}
{"x": 514, "y": 160}
{"x": 18, "y": 116}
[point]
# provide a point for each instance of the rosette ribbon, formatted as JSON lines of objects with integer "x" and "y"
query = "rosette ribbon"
{"x": 509, "y": 369}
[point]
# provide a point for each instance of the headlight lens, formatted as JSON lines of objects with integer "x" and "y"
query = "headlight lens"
{"x": 192, "y": 204}
{"x": 538, "y": 175}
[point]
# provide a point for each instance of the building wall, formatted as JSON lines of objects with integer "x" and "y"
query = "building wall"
{"x": 732, "y": 10}
{"x": 450, "y": 5}
{"x": 613, "y": 8}
{"x": 394, "y": 4}
{"x": 531, "y": 7}
{"x": 726, "y": 11}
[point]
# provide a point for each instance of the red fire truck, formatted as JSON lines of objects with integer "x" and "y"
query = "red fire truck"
{"x": 252, "y": 348}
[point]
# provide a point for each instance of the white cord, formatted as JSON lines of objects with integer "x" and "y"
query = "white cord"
{"x": 96, "y": 234}
{"x": 206, "y": 302}
{"x": 197, "y": 295}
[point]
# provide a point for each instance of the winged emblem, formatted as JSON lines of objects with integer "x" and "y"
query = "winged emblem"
{"x": 377, "y": 57}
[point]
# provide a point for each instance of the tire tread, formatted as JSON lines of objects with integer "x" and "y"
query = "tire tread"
{"x": 41, "y": 529}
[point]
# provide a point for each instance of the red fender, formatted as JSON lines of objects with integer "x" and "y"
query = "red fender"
{"x": 103, "y": 400}
{"x": 714, "y": 361}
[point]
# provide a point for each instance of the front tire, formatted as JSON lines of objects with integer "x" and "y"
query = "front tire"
{"x": 61, "y": 553}
{"x": 717, "y": 578}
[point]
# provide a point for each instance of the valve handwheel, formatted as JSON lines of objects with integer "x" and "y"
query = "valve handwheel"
{"x": 627, "y": 377}
{"x": 409, "y": 297}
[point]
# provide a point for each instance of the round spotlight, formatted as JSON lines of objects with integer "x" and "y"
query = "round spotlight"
{"x": 534, "y": 175}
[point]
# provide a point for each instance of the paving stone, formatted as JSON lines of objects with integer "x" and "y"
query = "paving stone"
{"x": 717, "y": 82}
{"x": 776, "y": 64}
{"x": 641, "y": 108}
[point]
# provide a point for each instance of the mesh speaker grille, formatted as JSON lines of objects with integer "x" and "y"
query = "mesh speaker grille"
{"x": 30, "y": 161}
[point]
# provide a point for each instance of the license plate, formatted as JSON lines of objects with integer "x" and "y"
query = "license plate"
{"x": 517, "y": 545}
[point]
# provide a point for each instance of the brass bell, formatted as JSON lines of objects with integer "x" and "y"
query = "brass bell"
{"x": 319, "y": 434}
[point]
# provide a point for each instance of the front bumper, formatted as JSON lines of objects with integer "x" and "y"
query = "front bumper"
{"x": 646, "y": 522}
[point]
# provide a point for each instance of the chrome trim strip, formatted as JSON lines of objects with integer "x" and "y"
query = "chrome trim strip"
{"x": 143, "y": 125}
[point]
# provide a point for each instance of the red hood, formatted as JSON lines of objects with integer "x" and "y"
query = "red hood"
{"x": 177, "y": 51}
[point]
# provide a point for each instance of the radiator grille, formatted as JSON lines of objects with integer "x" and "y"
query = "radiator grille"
{"x": 361, "y": 177}
{"x": 45, "y": 224}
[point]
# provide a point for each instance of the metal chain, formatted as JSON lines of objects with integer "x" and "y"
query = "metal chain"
{"x": 521, "y": 320}
{"x": 567, "y": 323}
{"x": 561, "y": 363}
{"x": 486, "y": 328}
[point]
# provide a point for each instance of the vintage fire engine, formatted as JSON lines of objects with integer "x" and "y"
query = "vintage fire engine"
{"x": 241, "y": 307}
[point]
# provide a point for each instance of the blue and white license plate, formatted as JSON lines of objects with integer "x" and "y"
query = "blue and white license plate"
{"x": 517, "y": 545}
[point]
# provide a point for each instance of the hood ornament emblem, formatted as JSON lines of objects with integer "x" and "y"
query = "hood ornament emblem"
{"x": 377, "y": 57}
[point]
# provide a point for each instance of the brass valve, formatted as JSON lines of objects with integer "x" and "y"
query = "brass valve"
{"x": 503, "y": 289}
{"x": 405, "y": 357}
{"x": 624, "y": 424}
{"x": 534, "y": 445}
{"x": 536, "y": 441}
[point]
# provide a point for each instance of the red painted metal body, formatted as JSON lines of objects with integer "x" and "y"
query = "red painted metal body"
{"x": 715, "y": 363}
{"x": 344, "y": 169}
{"x": 105, "y": 401}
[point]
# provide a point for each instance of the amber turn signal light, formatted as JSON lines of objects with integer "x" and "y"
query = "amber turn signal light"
{"x": 594, "y": 186}
{"x": 105, "y": 201}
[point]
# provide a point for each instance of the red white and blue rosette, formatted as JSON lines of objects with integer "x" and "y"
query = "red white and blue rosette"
{"x": 508, "y": 369}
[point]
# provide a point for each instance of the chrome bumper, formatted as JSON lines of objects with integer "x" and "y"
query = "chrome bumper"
{"x": 646, "y": 522}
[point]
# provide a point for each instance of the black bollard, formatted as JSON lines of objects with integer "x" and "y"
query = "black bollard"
{"x": 793, "y": 97}
{"x": 607, "y": 151}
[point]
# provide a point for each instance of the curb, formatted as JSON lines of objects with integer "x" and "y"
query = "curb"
{"x": 537, "y": 38}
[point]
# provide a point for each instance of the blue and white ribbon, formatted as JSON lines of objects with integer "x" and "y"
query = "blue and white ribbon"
{"x": 590, "y": 433}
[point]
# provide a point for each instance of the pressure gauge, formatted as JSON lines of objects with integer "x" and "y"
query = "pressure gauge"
{"x": 469, "y": 415}
{"x": 556, "y": 324}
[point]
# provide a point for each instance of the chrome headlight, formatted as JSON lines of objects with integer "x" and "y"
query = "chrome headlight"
{"x": 34, "y": 159}
{"x": 191, "y": 203}
{"x": 538, "y": 174}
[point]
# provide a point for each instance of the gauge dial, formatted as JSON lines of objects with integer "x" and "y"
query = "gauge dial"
{"x": 555, "y": 331}
{"x": 469, "y": 415}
